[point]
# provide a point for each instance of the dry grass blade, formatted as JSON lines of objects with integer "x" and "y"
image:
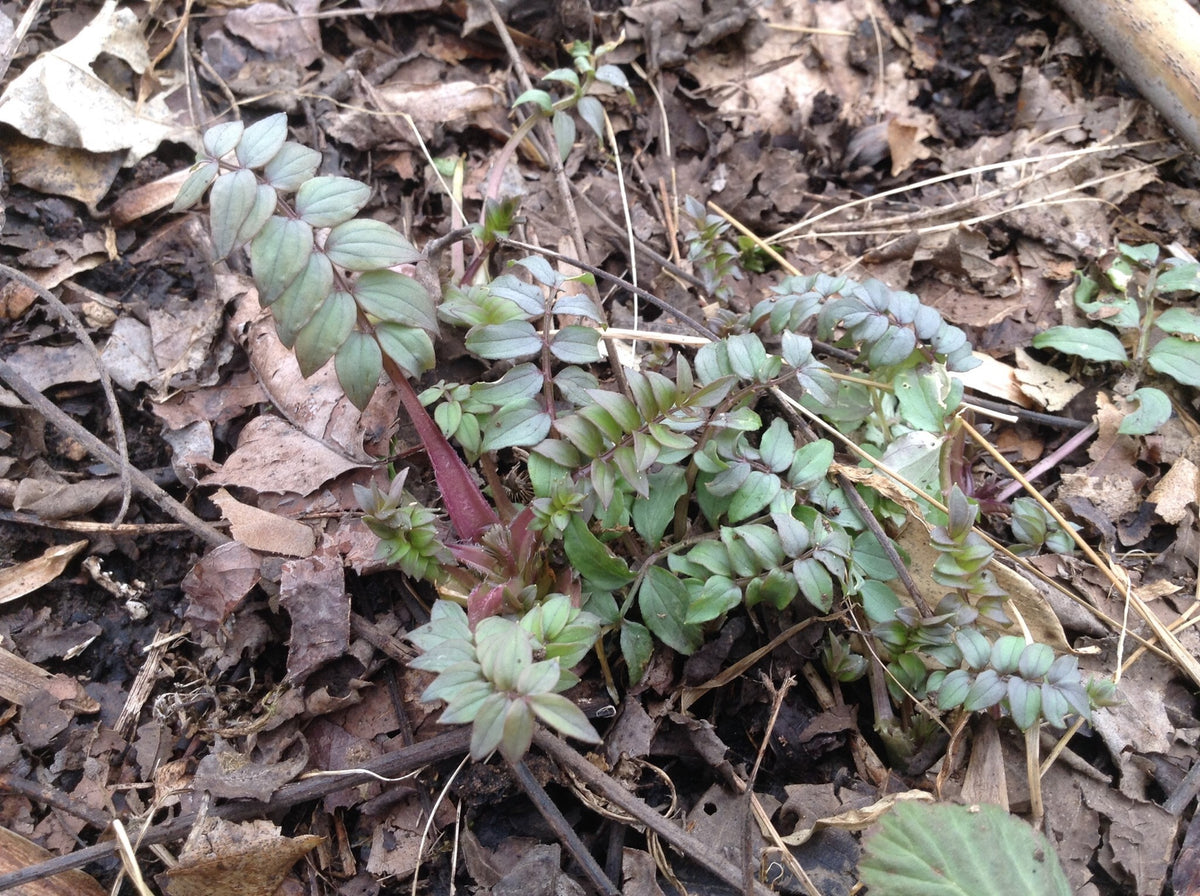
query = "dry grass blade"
{"x": 1179, "y": 654}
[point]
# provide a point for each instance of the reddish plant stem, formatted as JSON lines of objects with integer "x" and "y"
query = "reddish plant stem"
{"x": 469, "y": 510}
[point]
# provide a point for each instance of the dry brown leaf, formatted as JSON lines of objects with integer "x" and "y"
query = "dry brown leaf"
{"x": 904, "y": 144}
{"x": 64, "y": 500}
{"x": 274, "y": 456}
{"x": 21, "y": 681}
{"x": 59, "y": 99}
{"x": 857, "y": 819}
{"x": 996, "y": 379}
{"x": 224, "y": 773}
{"x": 147, "y": 199}
{"x": 225, "y": 859}
{"x": 313, "y": 591}
{"x": 262, "y": 531}
{"x": 61, "y": 170}
{"x": 24, "y": 578}
{"x": 17, "y": 853}
{"x": 1176, "y": 491}
{"x": 986, "y": 780}
{"x": 1047, "y": 386}
{"x": 280, "y": 32}
{"x": 219, "y": 583}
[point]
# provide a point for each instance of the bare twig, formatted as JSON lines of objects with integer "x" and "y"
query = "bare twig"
{"x": 562, "y": 829}
{"x": 96, "y": 447}
{"x": 701, "y": 853}
{"x": 390, "y": 765}
{"x": 72, "y": 323}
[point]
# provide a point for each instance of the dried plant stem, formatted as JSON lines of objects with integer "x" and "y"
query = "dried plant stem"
{"x": 1070, "y": 155}
{"x": 704, "y": 854}
{"x": 72, "y": 323}
{"x": 1186, "y": 662}
{"x": 562, "y": 829}
{"x": 140, "y": 481}
{"x": 398, "y": 762}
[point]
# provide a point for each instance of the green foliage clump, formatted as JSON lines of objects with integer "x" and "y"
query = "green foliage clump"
{"x": 655, "y": 507}
{"x": 1137, "y": 295}
{"x": 504, "y": 673}
{"x": 325, "y": 274}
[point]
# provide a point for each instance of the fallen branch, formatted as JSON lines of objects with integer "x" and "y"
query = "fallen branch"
{"x": 1154, "y": 45}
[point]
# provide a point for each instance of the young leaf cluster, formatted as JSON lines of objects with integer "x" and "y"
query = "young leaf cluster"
{"x": 714, "y": 259}
{"x": 949, "y": 656}
{"x": 324, "y": 273}
{"x": 409, "y": 533}
{"x": 1125, "y": 297}
{"x": 582, "y": 82}
{"x": 504, "y": 673}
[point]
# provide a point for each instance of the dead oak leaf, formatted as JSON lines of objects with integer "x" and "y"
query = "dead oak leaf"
{"x": 225, "y": 859}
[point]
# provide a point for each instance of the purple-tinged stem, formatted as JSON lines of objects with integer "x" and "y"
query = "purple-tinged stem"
{"x": 469, "y": 510}
{"x": 1064, "y": 450}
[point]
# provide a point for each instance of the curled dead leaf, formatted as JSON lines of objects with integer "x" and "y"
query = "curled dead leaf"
{"x": 27, "y": 577}
{"x": 16, "y": 853}
{"x": 225, "y": 859}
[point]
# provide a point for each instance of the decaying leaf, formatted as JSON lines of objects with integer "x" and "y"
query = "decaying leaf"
{"x": 857, "y": 819}
{"x": 226, "y": 773}
{"x": 24, "y": 578}
{"x": 313, "y": 591}
{"x": 263, "y": 531}
{"x": 17, "y": 853}
{"x": 59, "y": 98}
{"x": 225, "y": 859}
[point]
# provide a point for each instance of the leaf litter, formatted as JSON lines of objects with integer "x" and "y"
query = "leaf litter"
{"x": 867, "y": 138}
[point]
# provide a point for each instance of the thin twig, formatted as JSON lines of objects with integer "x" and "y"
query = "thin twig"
{"x": 97, "y": 448}
{"x": 116, "y": 424}
{"x": 9, "y": 52}
{"x": 562, "y": 829}
{"x": 390, "y": 765}
{"x": 704, "y": 854}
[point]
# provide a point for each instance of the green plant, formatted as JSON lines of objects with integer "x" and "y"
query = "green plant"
{"x": 1125, "y": 295}
{"x": 957, "y": 656}
{"x": 584, "y": 83}
{"x": 503, "y": 673}
{"x": 925, "y": 849}
{"x": 714, "y": 259}
{"x": 654, "y": 508}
